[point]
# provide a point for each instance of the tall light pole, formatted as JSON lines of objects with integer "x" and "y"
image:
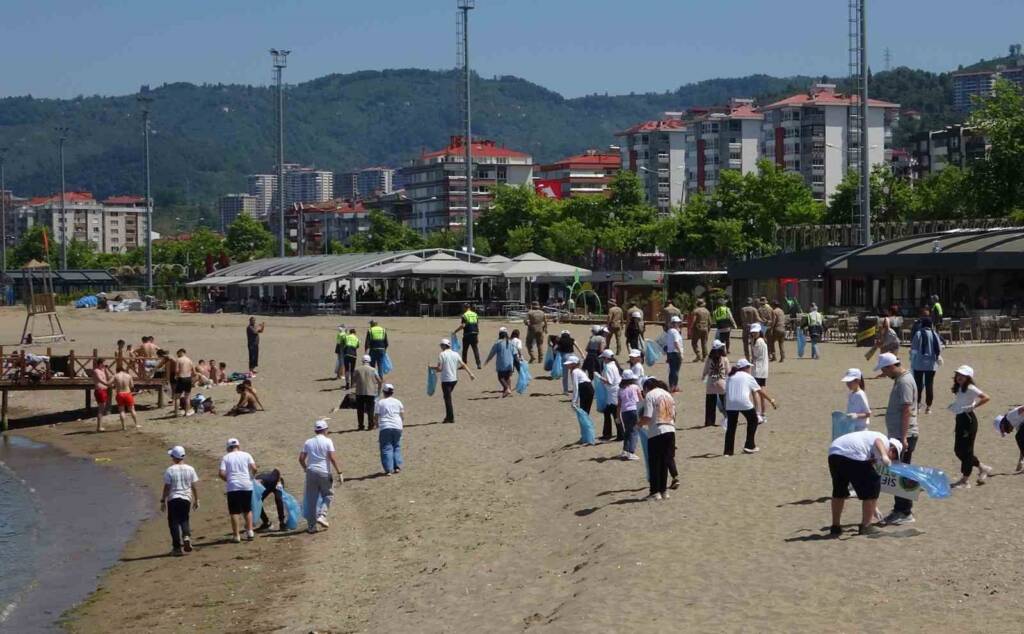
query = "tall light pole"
{"x": 145, "y": 100}
{"x": 279, "y": 59}
{"x": 62, "y": 132}
{"x": 465, "y": 6}
{"x": 3, "y": 216}
{"x": 865, "y": 162}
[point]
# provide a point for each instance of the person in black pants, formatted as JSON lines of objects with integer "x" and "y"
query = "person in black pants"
{"x": 659, "y": 413}
{"x": 447, "y": 368}
{"x": 272, "y": 484}
{"x": 968, "y": 398}
{"x": 583, "y": 389}
{"x": 252, "y": 340}
{"x": 1006, "y": 424}
{"x": 470, "y": 328}
{"x": 740, "y": 390}
{"x": 179, "y": 496}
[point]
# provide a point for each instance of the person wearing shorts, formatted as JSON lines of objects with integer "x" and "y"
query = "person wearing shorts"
{"x": 851, "y": 461}
{"x": 184, "y": 371}
{"x": 123, "y": 386}
{"x": 237, "y": 469}
{"x": 101, "y": 380}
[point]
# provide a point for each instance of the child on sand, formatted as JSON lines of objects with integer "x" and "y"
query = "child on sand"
{"x": 611, "y": 376}
{"x": 851, "y": 460}
{"x": 857, "y": 406}
{"x": 1009, "y": 422}
{"x": 968, "y": 398}
{"x": 222, "y": 373}
{"x": 582, "y": 388}
{"x": 630, "y": 396}
{"x": 123, "y": 386}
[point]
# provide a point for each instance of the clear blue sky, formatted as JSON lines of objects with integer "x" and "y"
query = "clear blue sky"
{"x": 63, "y": 48}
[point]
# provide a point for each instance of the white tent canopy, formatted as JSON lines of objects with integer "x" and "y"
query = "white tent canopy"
{"x": 444, "y": 265}
{"x": 531, "y": 265}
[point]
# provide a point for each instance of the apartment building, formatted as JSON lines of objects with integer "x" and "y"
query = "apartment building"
{"x": 979, "y": 80}
{"x": 307, "y": 185}
{"x": 722, "y": 138}
{"x": 364, "y": 183}
{"x": 338, "y": 220}
{"x": 957, "y": 145}
{"x": 656, "y": 151}
{"x": 436, "y": 183}
{"x": 585, "y": 174}
{"x": 809, "y": 134}
{"x": 231, "y": 206}
{"x": 264, "y": 188}
{"x": 114, "y": 225}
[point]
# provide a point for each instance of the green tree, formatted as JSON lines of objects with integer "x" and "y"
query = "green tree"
{"x": 521, "y": 240}
{"x": 567, "y": 238}
{"x": 998, "y": 179}
{"x": 248, "y": 239}
{"x": 385, "y": 234}
{"x": 892, "y": 199}
{"x": 945, "y": 195}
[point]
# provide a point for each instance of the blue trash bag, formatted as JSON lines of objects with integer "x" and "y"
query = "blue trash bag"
{"x": 600, "y": 394}
{"x": 524, "y": 377}
{"x": 385, "y": 364}
{"x": 556, "y": 366}
{"x": 549, "y": 360}
{"x": 653, "y": 354}
{"x": 586, "y": 426}
{"x": 933, "y": 481}
{"x": 257, "y": 498}
{"x": 842, "y": 424}
{"x": 456, "y": 344}
{"x": 291, "y": 505}
{"x": 319, "y": 507}
{"x": 643, "y": 445}
{"x": 801, "y": 342}
{"x": 431, "y": 381}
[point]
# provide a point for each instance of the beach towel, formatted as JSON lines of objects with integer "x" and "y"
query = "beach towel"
{"x": 842, "y": 424}
{"x": 643, "y": 445}
{"x": 431, "y": 381}
{"x": 586, "y": 426}
{"x": 801, "y": 342}
{"x": 549, "y": 360}
{"x": 385, "y": 364}
{"x": 600, "y": 394}
{"x": 933, "y": 481}
{"x": 456, "y": 344}
{"x": 239, "y": 376}
{"x": 291, "y": 505}
{"x": 653, "y": 354}
{"x": 524, "y": 377}
{"x": 556, "y": 366}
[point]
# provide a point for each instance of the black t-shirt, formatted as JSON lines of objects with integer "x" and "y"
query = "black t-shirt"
{"x": 270, "y": 479}
{"x": 252, "y": 335}
{"x": 565, "y": 344}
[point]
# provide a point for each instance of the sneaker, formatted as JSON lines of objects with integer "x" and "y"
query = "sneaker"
{"x": 311, "y": 530}
{"x": 654, "y": 497}
{"x": 984, "y": 472}
{"x": 665, "y": 495}
{"x": 892, "y": 517}
{"x": 265, "y": 526}
{"x": 187, "y": 546}
{"x": 867, "y": 529}
{"x": 249, "y": 535}
{"x": 1020, "y": 465}
{"x": 623, "y": 455}
{"x": 674, "y": 485}
{"x": 754, "y": 450}
{"x": 928, "y": 410}
{"x": 237, "y": 539}
{"x": 762, "y": 420}
{"x": 903, "y": 519}
{"x": 632, "y": 456}
{"x": 835, "y": 531}
{"x": 962, "y": 483}
{"x": 322, "y": 521}
{"x": 176, "y": 552}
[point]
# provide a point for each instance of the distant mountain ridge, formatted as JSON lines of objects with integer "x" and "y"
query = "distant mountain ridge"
{"x": 206, "y": 138}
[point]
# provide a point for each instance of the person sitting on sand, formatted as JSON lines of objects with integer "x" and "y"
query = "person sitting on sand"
{"x": 214, "y": 372}
{"x": 222, "y": 373}
{"x": 123, "y": 387}
{"x": 202, "y": 375}
{"x": 851, "y": 461}
{"x": 247, "y": 403}
{"x": 101, "y": 381}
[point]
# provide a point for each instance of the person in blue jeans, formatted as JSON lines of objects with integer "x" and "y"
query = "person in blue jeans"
{"x": 390, "y": 415}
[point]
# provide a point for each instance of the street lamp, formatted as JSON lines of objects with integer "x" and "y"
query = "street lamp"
{"x": 62, "y": 132}
{"x": 3, "y": 216}
{"x": 279, "y": 59}
{"x": 423, "y": 214}
{"x": 144, "y": 100}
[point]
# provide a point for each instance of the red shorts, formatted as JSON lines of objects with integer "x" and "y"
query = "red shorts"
{"x": 102, "y": 396}
{"x": 125, "y": 399}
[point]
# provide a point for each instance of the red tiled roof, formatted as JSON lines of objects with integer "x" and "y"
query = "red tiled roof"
{"x": 657, "y": 125}
{"x": 599, "y": 159}
{"x": 745, "y": 111}
{"x": 481, "y": 147}
{"x": 124, "y": 200}
{"x": 69, "y": 197}
{"x": 826, "y": 97}
{"x": 338, "y": 205}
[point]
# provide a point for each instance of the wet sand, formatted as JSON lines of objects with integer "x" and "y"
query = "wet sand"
{"x": 501, "y": 523}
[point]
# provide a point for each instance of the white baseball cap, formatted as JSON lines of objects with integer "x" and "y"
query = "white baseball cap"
{"x": 635, "y": 354}
{"x": 607, "y": 354}
{"x": 177, "y": 451}
{"x": 675, "y": 319}
{"x": 367, "y": 358}
{"x": 885, "y": 360}
{"x": 897, "y": 445}
{"x": 853, "y": 374}
{"x": 717, "y": 344}
{"x": 965, "y": 370}
{"x": 627, "y": 375}
{"x": 755, "y": 327}
{"x": 233, "y": 442}
{"x": 741, "y": 364}
{"x": 596, "y": 328}
{"x": 503, "y": 329}
{"x": 387, "y": 387}
{"x": 998, "y": 424}
{"x": 636, "y": 314}
{"x": 565, "y": 332}
{"x": 446, "y": 342}
{"x": 320, "y": 424}
{"x": 571, "y": 360}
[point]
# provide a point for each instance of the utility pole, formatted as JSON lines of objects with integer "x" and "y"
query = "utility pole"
{"x": 279, "y": 58}
{"x": 465, "y": 6}
{"x": 145, "y": 100}
{"x": 865, "y": 162}
{"x": 3, "y": 217}
{"x": 62, "y": 131}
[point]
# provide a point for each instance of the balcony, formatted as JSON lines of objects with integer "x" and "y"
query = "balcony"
{"x": 663, "y": 157}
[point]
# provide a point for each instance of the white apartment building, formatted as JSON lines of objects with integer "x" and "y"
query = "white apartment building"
{"x": 231, "y": 206}
{"x": 809, "y": 134}
{"x": 115, "y": 225}
{"x": 656, "y": 151}
{"x": 721, "y": 138}
{"x": 307, "y": 185}
{"x": 264, "y": 188}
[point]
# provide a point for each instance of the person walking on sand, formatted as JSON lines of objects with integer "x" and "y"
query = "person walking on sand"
{"x": 815, "y": 329}
{"x": 1010, "y": 422}
{"x": 635, "y": 328}
{"x": 273, "y": 484}
{"x": 724, "y": 323}
{"x": 376, "y": 346}
{"x": 659, "y": 418}
{"x": 614, "y": 324}
{"x": 901, "y": 424}
{"x": 610, "y": 376}
{"x": 536, "y": 322}
{"x": 339, "y": 352}
{"x": 851, "y": 461}
{"x": 504, "y": 355}
{"x": 630, "y": 396}
{"x": 236, "y": 470}
{"x": 857, "y": 406}
{"x": 968, "y": 397}
{"x": 101, "y": 382}
{"x": 925, "y": 360}
{"x": 741, "y": 392}
{"x": 760, "y": 361}
{"x": 777, "y": 333}
{"x": 252, "y": 342}
{"x": 582, "y": 387}
{"x": 595, "y": 346}
{"x": 748, "y": 317}
{"x": 390, "y": 415}
{"x": 668, "y": 312}
{"x": 714, "y": 375}
{"x": 700, "y": 326}
{"x": 316, "y": 459}
{"x": 351, "y": 351}
{"x": 566, "y": 347}
{"x": 179, "y": 497}
{"x": 366, "y": 383}
{"x": 123, "y": 388}
{"x": 674, "y": 352}
{"x": 184, "y": 373}
{"x": 448, "y": 365}
{"x": 470, "y": 327}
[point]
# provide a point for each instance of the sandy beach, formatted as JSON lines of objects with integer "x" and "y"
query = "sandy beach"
{"x": 501, "y": 524}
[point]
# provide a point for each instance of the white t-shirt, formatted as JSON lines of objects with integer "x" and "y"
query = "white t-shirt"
{"x": 316, "y": 450}
{"x": 612, "y": 375}
{"x": 858, "y": 445}
{"x": 759, "y": 357}
{"x": 449, "y": 361}
{"x": 518, "y": 343}
{"x": 1014, "y": 418}
{"x": 180, "y": 477}
{"x": 964, "y": 400}
{"x": 660, "y": 407}
{"x": 638, "y": 372}
{"x": 235, "y": 465}
{"x": 389, "y": 411}
{"x": 578, "y": 377}
{"x": 857, "y": 403}
{"x": 673, "y": 341}
{"x": 737, "y": 391}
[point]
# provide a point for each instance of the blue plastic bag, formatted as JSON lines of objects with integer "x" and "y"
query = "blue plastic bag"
{"x": 801, "y": 342}
{"x": 456, "y": 344}
{"x": 653, "y": 354}
{"x": 643, "y": 445}
{"x": 933, "y": 481}
{"x": 549, "y": 360}
{"x": 556, "y": 366}
{"x": 431, "y": 381}
{"x": 291, "y": 505}
{"x": 586, "y": 426}
{"x": 319, "y": 507}
{"x": 385, "y": 364}
{"x": 842, "y": 424}
{"x": 257, "y": 498}
{"x": 600, "y": 394}
{"x": 524, "y": 377}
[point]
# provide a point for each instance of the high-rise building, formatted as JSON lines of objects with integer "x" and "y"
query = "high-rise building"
{"x": 115, "y": 225}
{"x": 656, "y": 151}
{"x": 307, "y": 185}
{"x": 231, "y": 206}
{"x": 719, "y": 139}
{"x": 808, "y": 134}
{"x": 264, "y": 188}
{"x": 346, "y": 185}
{"x": 979, "y": 80}
{"x": 364, "y": 183}
{"x": 436, "y": 182}
{"x": 584, "y": 174}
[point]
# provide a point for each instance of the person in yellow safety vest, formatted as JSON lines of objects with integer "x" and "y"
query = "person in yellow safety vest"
{"x": 724, "y": 322}
{"x": 376, "y": 345}
{"x": 351, "y": 345}
{"x": 470, "y": 328}
{"x": 339, "y": 352}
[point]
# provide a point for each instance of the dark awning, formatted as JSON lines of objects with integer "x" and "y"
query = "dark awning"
{"x": 807, "y": 264}
{"x": 948, "y": 252}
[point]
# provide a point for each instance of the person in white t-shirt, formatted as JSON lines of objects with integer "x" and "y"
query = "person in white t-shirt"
{"x": 967, "y": 398}
{"x": 582, "y": 388}
{"x": 857, "y": 406}
{"x": 390, "y": 414}
{"x": 851, "y": 461}
{"x": 179, "y": 497}
{"x": 610, "y": 377}
{"x": 741, "y": 391}
{"x": 659, "y": 418}
{"x": 674, "y": 351}
{"x": 759, "y": 360}
{"x": 1009, "y": 422}
{"x": 636, "y": 365}
{"x": 448, "y": 365}
{"x": 316, "y": 459}
{"x": 236, "y": 470}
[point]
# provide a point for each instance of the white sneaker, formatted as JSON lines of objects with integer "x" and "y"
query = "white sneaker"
{"x": 754, "y": 450}
{"x": 322, "y": 521}
{"x": 656, "y": 497}
{"x": 665, "y": 495}
{"x": 249, "y": 535}
{"x": 903, "y": 519}
{"x": 984, "y": 472}
{"x": 762, "y": 420}
{"x": 632, "y": 456}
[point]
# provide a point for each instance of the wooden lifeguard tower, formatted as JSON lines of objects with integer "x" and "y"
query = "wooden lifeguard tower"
{"x": 41, "y": 303}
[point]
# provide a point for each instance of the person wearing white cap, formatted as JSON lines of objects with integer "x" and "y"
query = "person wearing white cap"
{"x": 857, "y": 406}
{"x": 595, "y": 346}
{"x": 714, "y": 375}
{"x": 236, "y": 470}
{"x": 505, "y": 360}
{"x": 582, "y": 388}
{"x": 741, "y": 392}
{"x": 390, "y": 416}
{"x": 566, "y": 346}
{"x": 179, "y": 497}
{"x": 630, "y": 396}
{"x": 968, "y": 397}
{"x": 316, "y": 459}
{"x": 636, "y": 365}
{"x": 1009, "y": 422}
{"x": 759, "y": 360}
{"x": 366, "y": 382}
{"x": 610, "y": 376}
{"x": 635, "y": 330}
{"x": 901, "y": 424}
{"x": 674, "y": 351}
{"x": 448, "y": 365}
{"x": 851, "y": 461}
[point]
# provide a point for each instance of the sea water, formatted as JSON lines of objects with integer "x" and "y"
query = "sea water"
{"x": 19, "y": 537}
